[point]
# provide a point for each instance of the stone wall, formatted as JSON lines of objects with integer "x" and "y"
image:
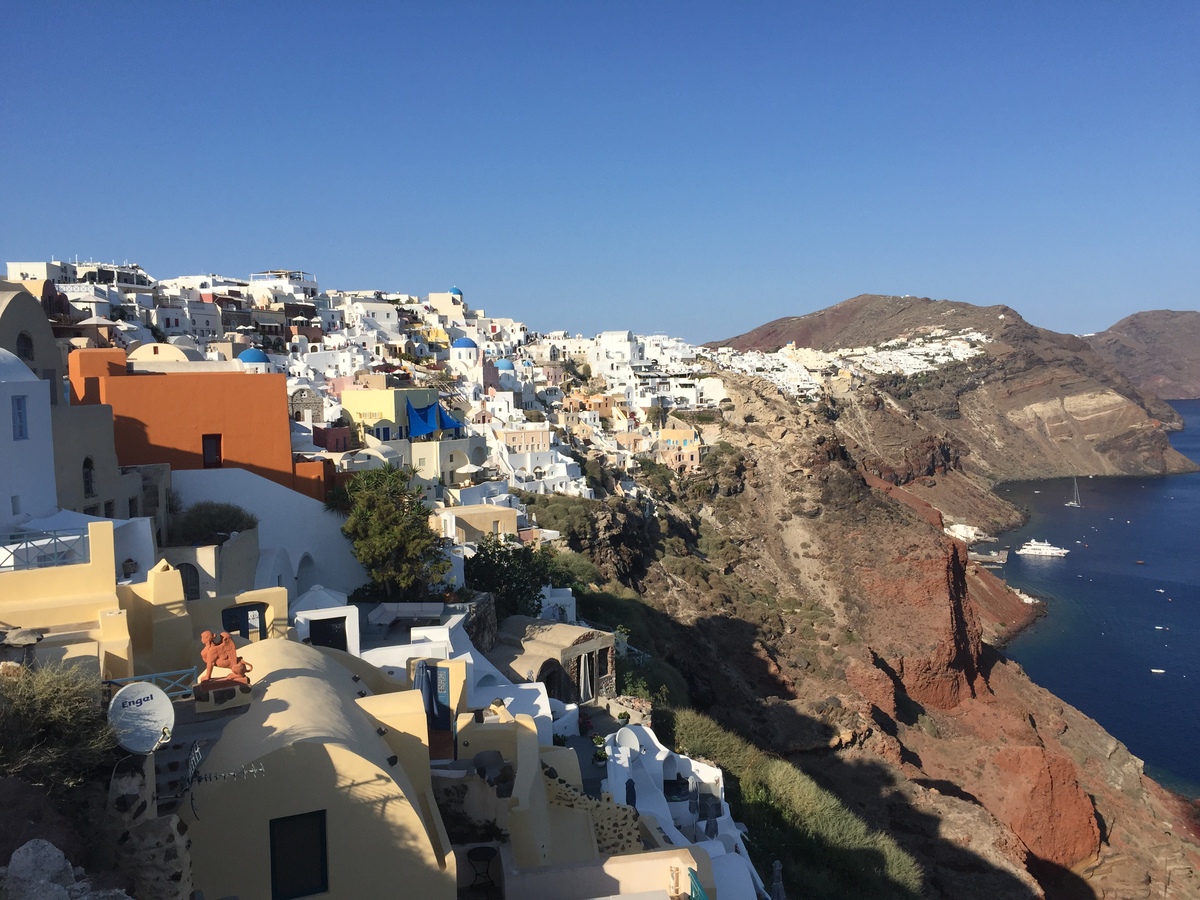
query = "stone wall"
{"x": 151, "y": 848}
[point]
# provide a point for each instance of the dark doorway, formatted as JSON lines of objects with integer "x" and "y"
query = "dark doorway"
{"x": 212, "y": 450}
{"x": 190, "y": 576}
{"x": 299, "y": 867}
{"x": 245, "y": 618}
{"x": 328, "y": 633}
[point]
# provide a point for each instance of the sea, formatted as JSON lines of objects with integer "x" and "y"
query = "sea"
{"x": 1122, "y": 605}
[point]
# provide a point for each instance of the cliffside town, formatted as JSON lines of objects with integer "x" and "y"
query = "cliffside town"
{"x": 779, "y": 514}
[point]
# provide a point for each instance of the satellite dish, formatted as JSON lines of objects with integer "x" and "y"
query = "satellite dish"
{"x": 142, "y": 715}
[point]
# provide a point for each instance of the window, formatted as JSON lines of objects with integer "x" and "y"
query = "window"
{"x": 298, "y": 864}
{"x": 211, "y": 448}
{"x": 89, "y": 478}
{"x": 16, "y": 504}
{"x": 110, "y": 508}
{"x": 133, "y": 507}
{"x": 328, "y": 633}
{"x": 20, "y": 419}
{"x": 25, "y": 346}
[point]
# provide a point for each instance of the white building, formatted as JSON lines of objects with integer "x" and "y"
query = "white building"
{"x": 27, "y": 483}
{"x": 194, "y": 318}
{"x": 279, "y": 285}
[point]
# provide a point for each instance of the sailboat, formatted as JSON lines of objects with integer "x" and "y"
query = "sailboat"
{"x": 1075, "y": 501}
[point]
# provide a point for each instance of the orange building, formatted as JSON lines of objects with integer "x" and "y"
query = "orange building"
{"x": 196, "y": 420}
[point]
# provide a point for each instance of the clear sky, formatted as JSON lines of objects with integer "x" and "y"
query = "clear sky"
{"x": 695, "y": 168}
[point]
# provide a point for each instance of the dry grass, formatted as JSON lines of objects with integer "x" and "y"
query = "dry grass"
{"x": 53, "y": 729}
{"x": 827, "y": 851}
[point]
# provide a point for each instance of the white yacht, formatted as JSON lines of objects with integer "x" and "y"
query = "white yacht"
{"x": 1041, "y": 548}
{"x": 1075, "y": 500}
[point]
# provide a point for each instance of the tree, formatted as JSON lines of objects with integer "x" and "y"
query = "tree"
{"x": 210, "y": 522}
{"x": 388, "y": 525}
{"x": 656, "y": 416}
{"x": 514, "y": 573}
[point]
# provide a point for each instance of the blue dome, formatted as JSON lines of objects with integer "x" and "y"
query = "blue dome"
{"x": 253, "y": 355}
{"x": 505, "y": 364}
{"x": 464, "y": 343}
{"x": 526, "y": 362}
{"x": 455, "y": 290}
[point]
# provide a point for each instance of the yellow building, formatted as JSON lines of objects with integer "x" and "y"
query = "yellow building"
{"x": 64, "y": 585}
{"x": 679, "y": 448}
{"x": 383, "y": 413}
{"x": 562, "y": 844}
{"x": 467, "y": 524}
{"x": 340, "y": 801}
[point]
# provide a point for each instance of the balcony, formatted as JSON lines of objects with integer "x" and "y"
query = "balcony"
{"x": 21, "y": 550}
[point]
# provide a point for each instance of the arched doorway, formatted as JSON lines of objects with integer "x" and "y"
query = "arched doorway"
{"x": 190, "y": 576}
{"x": 306, "y": 574}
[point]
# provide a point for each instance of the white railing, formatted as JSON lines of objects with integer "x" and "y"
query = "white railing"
{"x": 43, "y": 549}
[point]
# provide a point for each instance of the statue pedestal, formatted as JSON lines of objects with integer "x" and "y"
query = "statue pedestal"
{"x": 219, "y": 694}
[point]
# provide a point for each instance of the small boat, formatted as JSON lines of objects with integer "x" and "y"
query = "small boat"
{"x": 1041, "y": 548}
{"x": 988, "y": 558}
{"x": 1075, "y": 500}
{"x": 1158, "y": 671}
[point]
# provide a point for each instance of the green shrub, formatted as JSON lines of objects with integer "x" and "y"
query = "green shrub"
{"x": 210, "y": 522}
{"x": 571, "y": 516}
{"x": 574, "y": 568}
{"x": 53, "y": 729}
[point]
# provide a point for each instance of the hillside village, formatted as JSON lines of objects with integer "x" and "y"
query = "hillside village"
{"x": 377, "y": 738}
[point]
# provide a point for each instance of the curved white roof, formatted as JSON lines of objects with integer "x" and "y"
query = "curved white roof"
{"x": 12, "y": 369}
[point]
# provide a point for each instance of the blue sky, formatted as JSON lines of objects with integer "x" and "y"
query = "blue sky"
{"x": 695, "y": 168}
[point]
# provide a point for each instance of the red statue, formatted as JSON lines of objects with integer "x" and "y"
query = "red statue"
{"x": 220, "y": 651}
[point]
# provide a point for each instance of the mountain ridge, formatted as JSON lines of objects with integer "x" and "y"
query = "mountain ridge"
{"x": 821, "y": 611}
{"x": 1158, "y": 350}
{"x": 826, "y": 614}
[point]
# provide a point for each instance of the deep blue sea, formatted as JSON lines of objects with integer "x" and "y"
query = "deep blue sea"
{"x": 1126, "y": 600}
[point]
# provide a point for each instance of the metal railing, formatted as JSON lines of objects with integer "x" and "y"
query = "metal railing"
{"x": 174, "y": 684}
{"x": 43, "y": 549}
{"x": 695, "y": 888}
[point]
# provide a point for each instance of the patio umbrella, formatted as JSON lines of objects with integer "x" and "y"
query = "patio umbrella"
{"x": 630, "y": 793}
{"x": 777, "y": 892}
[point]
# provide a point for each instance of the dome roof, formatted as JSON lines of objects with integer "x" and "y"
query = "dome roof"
{"x": 456, "y": 291}
{"x": 505, "y": 364}
{"x": 464, "y": 343}
{"x": 12, "y": 369}
{"x": 253, "y": 355}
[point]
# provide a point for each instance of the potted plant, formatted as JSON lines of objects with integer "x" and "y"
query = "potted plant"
{"x": 600, "y": 757}
{"x": 598, "y": 740}
{"x": 623, "y": 717}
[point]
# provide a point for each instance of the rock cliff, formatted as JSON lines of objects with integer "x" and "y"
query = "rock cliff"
{"x": 1159, "y": 351}
{"x": 818, "y": 608}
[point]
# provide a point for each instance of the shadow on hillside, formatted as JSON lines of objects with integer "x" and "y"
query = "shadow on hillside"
{"x": 732, "y": 679}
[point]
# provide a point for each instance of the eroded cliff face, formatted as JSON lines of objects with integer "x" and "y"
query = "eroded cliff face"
{"x": 849, "y": 633}
{"x": 1158, "y": 350}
